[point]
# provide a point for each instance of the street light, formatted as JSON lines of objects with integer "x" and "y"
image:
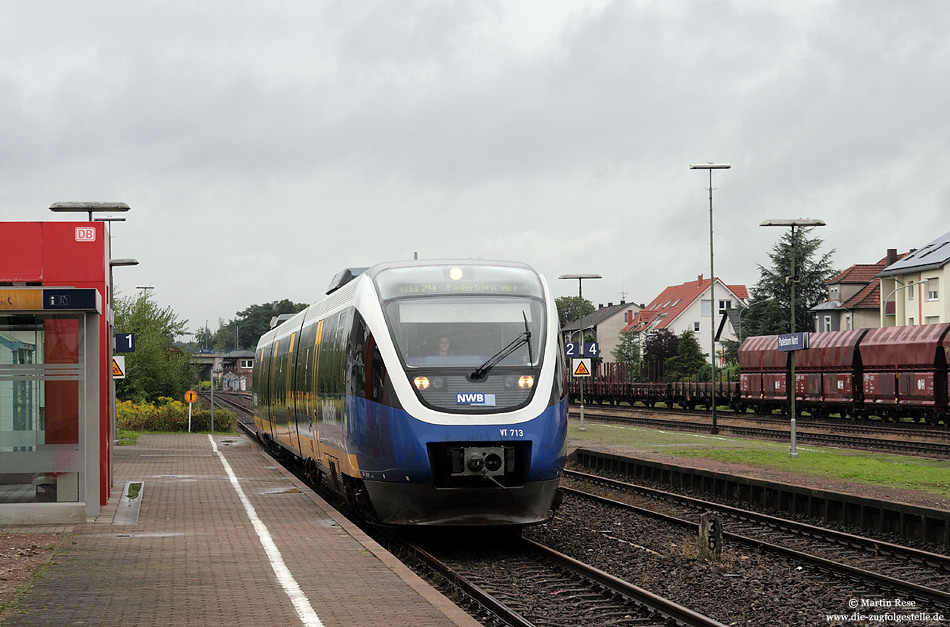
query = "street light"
{"x": 792, "y": 279}
{"x": 712, "y": 289}
{"x": 88, "y": 207}
{"x": 894, "y": 291}
{"x": 580, "y": 325}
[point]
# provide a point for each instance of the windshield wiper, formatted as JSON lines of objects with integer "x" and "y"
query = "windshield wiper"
{"x": 494, "y": 360}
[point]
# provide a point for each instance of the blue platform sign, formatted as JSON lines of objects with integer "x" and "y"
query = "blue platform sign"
{"x": 572, "y": 349}
{"x": 125, "y": 342}
{"x": 792, "y": 342}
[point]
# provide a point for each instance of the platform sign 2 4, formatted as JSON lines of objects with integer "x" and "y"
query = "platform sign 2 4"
{"x": 572, "y": 349}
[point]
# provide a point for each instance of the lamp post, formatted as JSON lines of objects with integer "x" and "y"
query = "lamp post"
{"x": 793, "y": 279}
{"x": 88, "y": 207}
{"x": 580, "y": 325}
{"x": 894, "y": 291}
{"x": 712, "y": 289}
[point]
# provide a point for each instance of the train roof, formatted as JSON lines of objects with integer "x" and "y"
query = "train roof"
{"x": 833, "y": 349}
{"x": 761, "y": 352}
{"x": 903, "y": 346}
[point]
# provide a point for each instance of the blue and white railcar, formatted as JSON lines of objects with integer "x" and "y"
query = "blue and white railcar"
{"x": 427, "y": 393}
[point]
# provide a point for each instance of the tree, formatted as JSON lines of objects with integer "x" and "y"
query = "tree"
{"x": 769, "y": 310}
{"x": 244, "y": 330}
{"x": 156, "y": 368}
{"x": 689, "y": 359}
{"x": 570, "y": 308}
{"x": 658, "y": 346}
{"x": 627, "y": 352}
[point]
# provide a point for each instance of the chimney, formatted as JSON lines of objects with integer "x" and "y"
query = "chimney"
{"x": 699, "y": 281}
{"x": 891, "y": 256}
{"x": 610, "y": 304}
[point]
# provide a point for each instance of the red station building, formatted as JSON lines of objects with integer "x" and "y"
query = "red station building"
{"x": 56, "y": 384}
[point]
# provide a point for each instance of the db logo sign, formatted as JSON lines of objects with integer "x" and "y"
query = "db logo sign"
{"x": 85, "y": 234}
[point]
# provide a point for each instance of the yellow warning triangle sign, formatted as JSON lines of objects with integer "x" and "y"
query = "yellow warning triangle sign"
{"x": 116, "y": 370}
{"x": 581, "y": 370}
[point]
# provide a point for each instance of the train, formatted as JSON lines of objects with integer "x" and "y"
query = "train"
{"x": 423, "y": 392}
{"x": 894, "y": 373}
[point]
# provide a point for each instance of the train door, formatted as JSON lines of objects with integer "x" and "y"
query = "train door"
{"x": 303, "y": 388}
{"x": 331, "y": 385}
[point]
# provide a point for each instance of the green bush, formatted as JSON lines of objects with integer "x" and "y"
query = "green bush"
{"x": 171, "y": 416}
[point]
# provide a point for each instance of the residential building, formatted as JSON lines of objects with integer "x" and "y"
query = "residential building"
{"x": 912, "y": 286}
{"x": 854, "y": 297}
{"x": 687, "y": 307}
{"x": 605, "y": 323}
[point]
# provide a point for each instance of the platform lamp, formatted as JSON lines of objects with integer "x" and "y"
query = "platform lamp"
{"x": 89, "y": 207}
{"x": 792, "y": 279}
{"x": 580, "y": 325}
{"x": 712, "y": 289}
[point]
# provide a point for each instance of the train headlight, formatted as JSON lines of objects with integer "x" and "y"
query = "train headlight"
{"x": 455, "y": 274}
{"x": 422, "y": 383}
{"x": 526, "y": 382}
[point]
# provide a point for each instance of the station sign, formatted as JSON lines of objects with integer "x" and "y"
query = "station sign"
{"x": 792, "y": 342}
{"x": 46, "y": 299}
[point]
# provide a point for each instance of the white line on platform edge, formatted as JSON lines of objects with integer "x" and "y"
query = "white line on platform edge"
{"x": 301, "y": 603}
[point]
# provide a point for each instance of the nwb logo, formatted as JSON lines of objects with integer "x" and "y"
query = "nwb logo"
{"x": 474, "y": 398}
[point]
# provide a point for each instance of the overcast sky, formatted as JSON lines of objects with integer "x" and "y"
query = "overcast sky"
{"x": 263, "y": 147}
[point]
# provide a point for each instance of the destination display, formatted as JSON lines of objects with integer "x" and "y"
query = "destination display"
{"x": 458, "y": 280}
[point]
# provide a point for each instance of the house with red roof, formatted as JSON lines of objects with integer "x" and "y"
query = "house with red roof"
{"x": 854, "y": 297}
{"x": 687, "y": 307}
{"x": 605, "y": 324}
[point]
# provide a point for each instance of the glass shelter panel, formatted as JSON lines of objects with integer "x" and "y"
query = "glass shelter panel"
{"x": 41, "y": 365}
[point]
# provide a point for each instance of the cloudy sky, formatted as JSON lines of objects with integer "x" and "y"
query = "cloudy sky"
{"x": 264, "y": 146}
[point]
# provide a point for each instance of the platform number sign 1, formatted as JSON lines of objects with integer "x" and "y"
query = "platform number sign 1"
{"x": 125, "y": 342}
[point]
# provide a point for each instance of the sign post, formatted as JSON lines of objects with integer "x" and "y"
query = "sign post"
{"x": 790, "y": 343}
{"x": 190, "y": 397}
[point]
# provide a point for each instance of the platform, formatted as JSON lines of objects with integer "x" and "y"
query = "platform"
{"x": 221, "y": 535}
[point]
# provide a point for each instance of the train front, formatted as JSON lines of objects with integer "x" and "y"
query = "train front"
{"x": 479, "y": 436}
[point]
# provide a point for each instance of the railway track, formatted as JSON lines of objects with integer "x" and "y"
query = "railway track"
{"x": 894, "y": 441}
{"x": 524, "y": 583}
{"x": 897, "y": 570}
{"x": 858, "y": 427}
{"x": 556, "y": 579}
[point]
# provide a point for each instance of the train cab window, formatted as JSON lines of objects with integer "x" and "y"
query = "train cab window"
{"x": 462, "y": 332}
{"x": 466, "y": 332}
